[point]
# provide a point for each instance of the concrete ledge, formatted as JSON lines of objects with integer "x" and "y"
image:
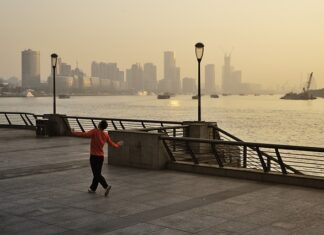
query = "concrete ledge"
{"x": 22, "y": 127}
{"x": 298, "y": 180}
{"x": 141, "y": 149}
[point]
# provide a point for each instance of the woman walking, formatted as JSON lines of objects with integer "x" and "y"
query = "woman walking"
{"x": 98, "y": 139}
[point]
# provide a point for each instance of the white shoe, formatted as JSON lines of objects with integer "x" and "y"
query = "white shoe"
{"x": 91, "y": 191}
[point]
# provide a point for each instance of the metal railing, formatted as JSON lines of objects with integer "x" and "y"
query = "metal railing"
{"x": 18, "y": 120}
{"x": 88, "y": 123}
{"x": 286, "y": 159}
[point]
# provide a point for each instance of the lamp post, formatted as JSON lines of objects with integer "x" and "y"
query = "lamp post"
{"x": 199, "y": 48}
{"x": 54, "y": 62}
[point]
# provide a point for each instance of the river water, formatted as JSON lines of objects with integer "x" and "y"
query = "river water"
{"x": 264, "y": 119}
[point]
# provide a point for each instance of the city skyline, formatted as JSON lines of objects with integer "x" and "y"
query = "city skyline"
{"x": 272, "y": 42}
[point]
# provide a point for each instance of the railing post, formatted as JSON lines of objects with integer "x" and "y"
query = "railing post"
{"x": 114, "y": 125}
{"x": 174, "y": 135}
{"x": 264, "y": 166}
{"x": 9, "y": 122}
{"x": 192, "y": 154}
{"x": 81, "y": 127}
{"x": 244, "y": 156}
{"x": 143, "y": 125}
{"x": 268, "y": 164}
{"x": 30, "y": 122}
{"x": 121, "y": 124}
{"x": 168, "y": 151}
{"x": 219, "y": 161}
{"x": 22, "y": 117}
{"x": 93, "y": 123}
{"x": 282, "y": 165}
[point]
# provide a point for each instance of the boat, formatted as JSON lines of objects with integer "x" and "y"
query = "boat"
{"x": 63, "y": 96}
{"x": 298, "y": 96}
{"x": 194, "y": 97}
{"x": 304, "y": 95}
{"x": 164, "y": 96}
{"x": 214, "y": 96}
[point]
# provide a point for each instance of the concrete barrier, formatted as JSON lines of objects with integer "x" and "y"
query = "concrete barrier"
{"x": 140, "y": 149}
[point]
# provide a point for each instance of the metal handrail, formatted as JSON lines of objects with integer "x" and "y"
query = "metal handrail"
{"x": 18, "y": 120}
{"x": 218, "y": 152}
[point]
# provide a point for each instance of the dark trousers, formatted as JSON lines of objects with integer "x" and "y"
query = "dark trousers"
{"x": 96, "y": 165}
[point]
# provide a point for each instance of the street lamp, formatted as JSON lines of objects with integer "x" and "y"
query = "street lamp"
{"x": 199, "y": 48}
{"x": 54, "y": 62}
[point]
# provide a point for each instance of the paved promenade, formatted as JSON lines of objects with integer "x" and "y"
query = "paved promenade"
{"x": 44, "y": 183}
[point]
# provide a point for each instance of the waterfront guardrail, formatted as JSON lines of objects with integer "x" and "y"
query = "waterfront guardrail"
{"x": 284, "y": 159}
{"x": 18, "y": 120}
{"x": 87, "y": 123}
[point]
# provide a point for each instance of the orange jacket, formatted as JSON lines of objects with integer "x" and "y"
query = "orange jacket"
{"x": 98, "y": 140}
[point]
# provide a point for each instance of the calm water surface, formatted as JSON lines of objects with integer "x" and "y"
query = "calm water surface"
{"x": 251, "y": 118}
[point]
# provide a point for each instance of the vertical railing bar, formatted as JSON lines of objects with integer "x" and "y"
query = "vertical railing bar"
{"x": 264, "y": 166}
{"x": 114, "y": 125}
{"x": 282, "y": 165}
{"x": 244, "y": 156}
{"x": 30, "y": 122}
{"x": 219, "y": 161}
{"x": 121, "y": 124}
{"x": 93, "y": 123}
{"x": 81, "y": 127}
{"x": 26, "y": 124}
{"x": 192, "y": 154}
{"x": 174, "y": 135}
{"x": 143, "y": 125}
{"x": 268, "y": 164}
{"x": 169, "y": 151}
{"x": 9, "y": 122}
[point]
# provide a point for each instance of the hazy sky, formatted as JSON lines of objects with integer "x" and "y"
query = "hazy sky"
{"x": 272, "y": 41}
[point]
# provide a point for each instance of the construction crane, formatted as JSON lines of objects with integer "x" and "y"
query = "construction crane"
{"x": 308, "y": 84}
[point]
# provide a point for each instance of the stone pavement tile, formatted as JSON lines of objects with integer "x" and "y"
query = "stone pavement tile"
{"x": 34, "y": 209}
{"x": 188, "y": 221}
{"x": 232, "y": 227}
{"x": 72, "y": 232}
{"x": 23, "y": 226}
{"x": 169, "y": 231}
{"x": 315, "y": 229}
{"x": 226, "y": 210}
{"x": 79, "y": 222}
{"x": 64, "y": 215}
{"x": 268, "y": 230}
{"x": 126, "y": 208}
{"x": 137, "y": 229}
{"x": 7, "y": 220}
{"x": 299, "y": 220}
{"x": 264, "y": 217}
{"x": 44, "y": 230}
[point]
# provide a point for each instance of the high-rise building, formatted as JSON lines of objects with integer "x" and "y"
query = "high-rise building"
{"x": 30, "y": 69}
{"x": 231, "y": 78}
{"x": 134, "y": 78}
{"x": 210, "y": 86}
{"x": 189, "y": 86}
{"x": 107, "y": 71}
{"x": 171, "y": 74}
{"x": 150, "y": 77}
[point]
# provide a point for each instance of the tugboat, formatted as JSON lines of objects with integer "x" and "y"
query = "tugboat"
{"x": 214, "y": 96}
{"x": 64, "y": 96}
{"x": 165, "y": 95}
{"x": 305, "y": 95}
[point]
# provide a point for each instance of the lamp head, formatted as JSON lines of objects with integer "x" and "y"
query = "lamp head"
{"x": 199, "y": 48}
{"x": 54, "y": 60}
